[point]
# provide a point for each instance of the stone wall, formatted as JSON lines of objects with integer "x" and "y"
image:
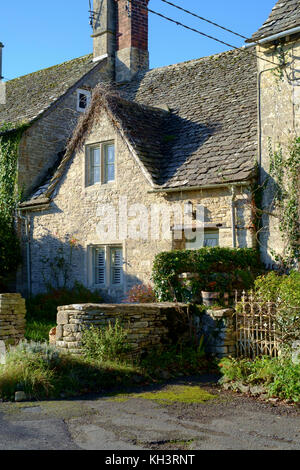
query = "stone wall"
{"x": 218, "y": 327}
{"x": 280, "y": 123}
{"x": 12, "y": 318}
{"x": 149, "y": 325}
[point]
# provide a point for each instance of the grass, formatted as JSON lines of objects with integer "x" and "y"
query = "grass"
{"x": 38, "y": 330}
{"x": 43, "y": 373}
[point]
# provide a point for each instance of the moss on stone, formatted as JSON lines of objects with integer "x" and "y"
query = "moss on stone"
{"x": 172, "y": 394}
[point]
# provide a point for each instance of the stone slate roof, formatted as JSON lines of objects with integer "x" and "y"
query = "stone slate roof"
{"x": 29, "y": 96}
{"x": 209, "y": 134}
{"x": 212, "y": 132}
{"x": 285, "y": 15}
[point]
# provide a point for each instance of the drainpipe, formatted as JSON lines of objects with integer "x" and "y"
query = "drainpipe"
{"x": 1, "y": 47}
{"x": 233, "y": 216}
{"x": 259, "y": 118}
{"x": 26, "y": 219}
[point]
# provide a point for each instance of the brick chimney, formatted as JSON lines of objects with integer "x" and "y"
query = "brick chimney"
{"x": 104, "y": 28}
{"x": 132, "y": 53}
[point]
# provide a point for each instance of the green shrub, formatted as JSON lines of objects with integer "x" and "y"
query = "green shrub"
{"x": 44, "y": 306}
{"x": 284, "y": 290}
{"x": 279, "y": 376}
{"x": 178, "y": 358}
{"x": 231, "y": 268}
{"x": 107, "y": 343}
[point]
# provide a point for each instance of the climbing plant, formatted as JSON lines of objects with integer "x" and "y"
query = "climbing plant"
{"x": 9, "y": 196}
{"x": 284, "y": 170}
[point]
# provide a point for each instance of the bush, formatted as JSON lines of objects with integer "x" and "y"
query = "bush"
{"x": 141, "y": 293}
{"x": 232, "y": 268}
{"x": 284, "y": 290}
{"x": 108, "y": 343}
{"x": 182, "y": 358}
{"x": 44, "y": 306}
{"x": 279, "y": 376}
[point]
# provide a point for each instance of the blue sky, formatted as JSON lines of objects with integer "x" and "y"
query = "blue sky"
{"x": 39, "y": 33}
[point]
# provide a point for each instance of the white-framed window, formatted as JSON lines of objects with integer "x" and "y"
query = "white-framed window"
{"x": 209, "y": 238}
{"x": 83, "y": 100}
{"x": 107, "y": 266}
{"x": 100, "y": 163}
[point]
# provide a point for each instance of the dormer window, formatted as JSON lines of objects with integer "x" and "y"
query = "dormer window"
{"x": 83, "y": 100}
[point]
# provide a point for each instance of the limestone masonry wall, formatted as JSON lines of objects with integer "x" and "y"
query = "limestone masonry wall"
{"x": 74, "y": 213}
{"x": 12, "y": 318}
{"x": 218, "y": 327}
{"x": 149, "y": 325}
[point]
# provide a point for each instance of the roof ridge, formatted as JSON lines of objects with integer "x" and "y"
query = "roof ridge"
{"x": 49, "y": 68}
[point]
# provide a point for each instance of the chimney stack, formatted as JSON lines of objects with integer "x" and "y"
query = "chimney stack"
{"x": 120, "y": 31}
{"x": 104, "y": 28}
{"x": 132, "y": 53}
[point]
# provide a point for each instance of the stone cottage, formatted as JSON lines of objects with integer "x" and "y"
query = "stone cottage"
{"x": 104, "y": 193}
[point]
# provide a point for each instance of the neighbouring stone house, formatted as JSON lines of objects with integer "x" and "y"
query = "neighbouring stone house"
{"x": 278, "y": 42}
{"x": 182, "y": 135}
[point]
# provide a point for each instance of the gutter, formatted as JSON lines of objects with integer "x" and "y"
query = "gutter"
{"x": 197, "y": 188}
{"x": 287, "y": 32}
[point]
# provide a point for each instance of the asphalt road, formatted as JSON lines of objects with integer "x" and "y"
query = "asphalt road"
{"x": 229, "y": 421}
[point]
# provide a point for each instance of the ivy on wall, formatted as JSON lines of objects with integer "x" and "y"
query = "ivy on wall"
{"x": 9, "y": 197}
{"x": 284, "y": 170}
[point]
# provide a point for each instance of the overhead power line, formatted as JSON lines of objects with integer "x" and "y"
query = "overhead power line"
{"x": 204, "y": 19}
{"x": 178, "y": 23}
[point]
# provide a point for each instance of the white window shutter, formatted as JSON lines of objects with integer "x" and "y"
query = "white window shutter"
{"x": 116, "y": 266}
{"x": 99, "y": 263}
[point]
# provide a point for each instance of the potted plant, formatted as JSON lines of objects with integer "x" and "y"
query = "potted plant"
{"x": 217, "y": 289}
{"x": 211, "y": 295}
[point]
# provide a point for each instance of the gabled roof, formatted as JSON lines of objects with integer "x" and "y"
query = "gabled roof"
{"x": 208, "y": 137}
{"x": 141, "y": 126}
{"x": 285, "y": 15}
{"x": 29, "y": 96}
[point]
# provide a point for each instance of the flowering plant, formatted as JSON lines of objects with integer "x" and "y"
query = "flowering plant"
{"x": 141, "y": 293}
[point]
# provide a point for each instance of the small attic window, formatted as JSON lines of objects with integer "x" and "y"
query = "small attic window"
{"x": 83, "y": 99}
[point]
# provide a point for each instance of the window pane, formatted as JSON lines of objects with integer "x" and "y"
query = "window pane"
{"x": 109, "y": 152}
{"x": 201, "y": 239}
{"x": 95, "y": 165}
{"x": 96, "y": 156}
{"x": 82, "y": 101}
{"x": 211, "y": 239}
